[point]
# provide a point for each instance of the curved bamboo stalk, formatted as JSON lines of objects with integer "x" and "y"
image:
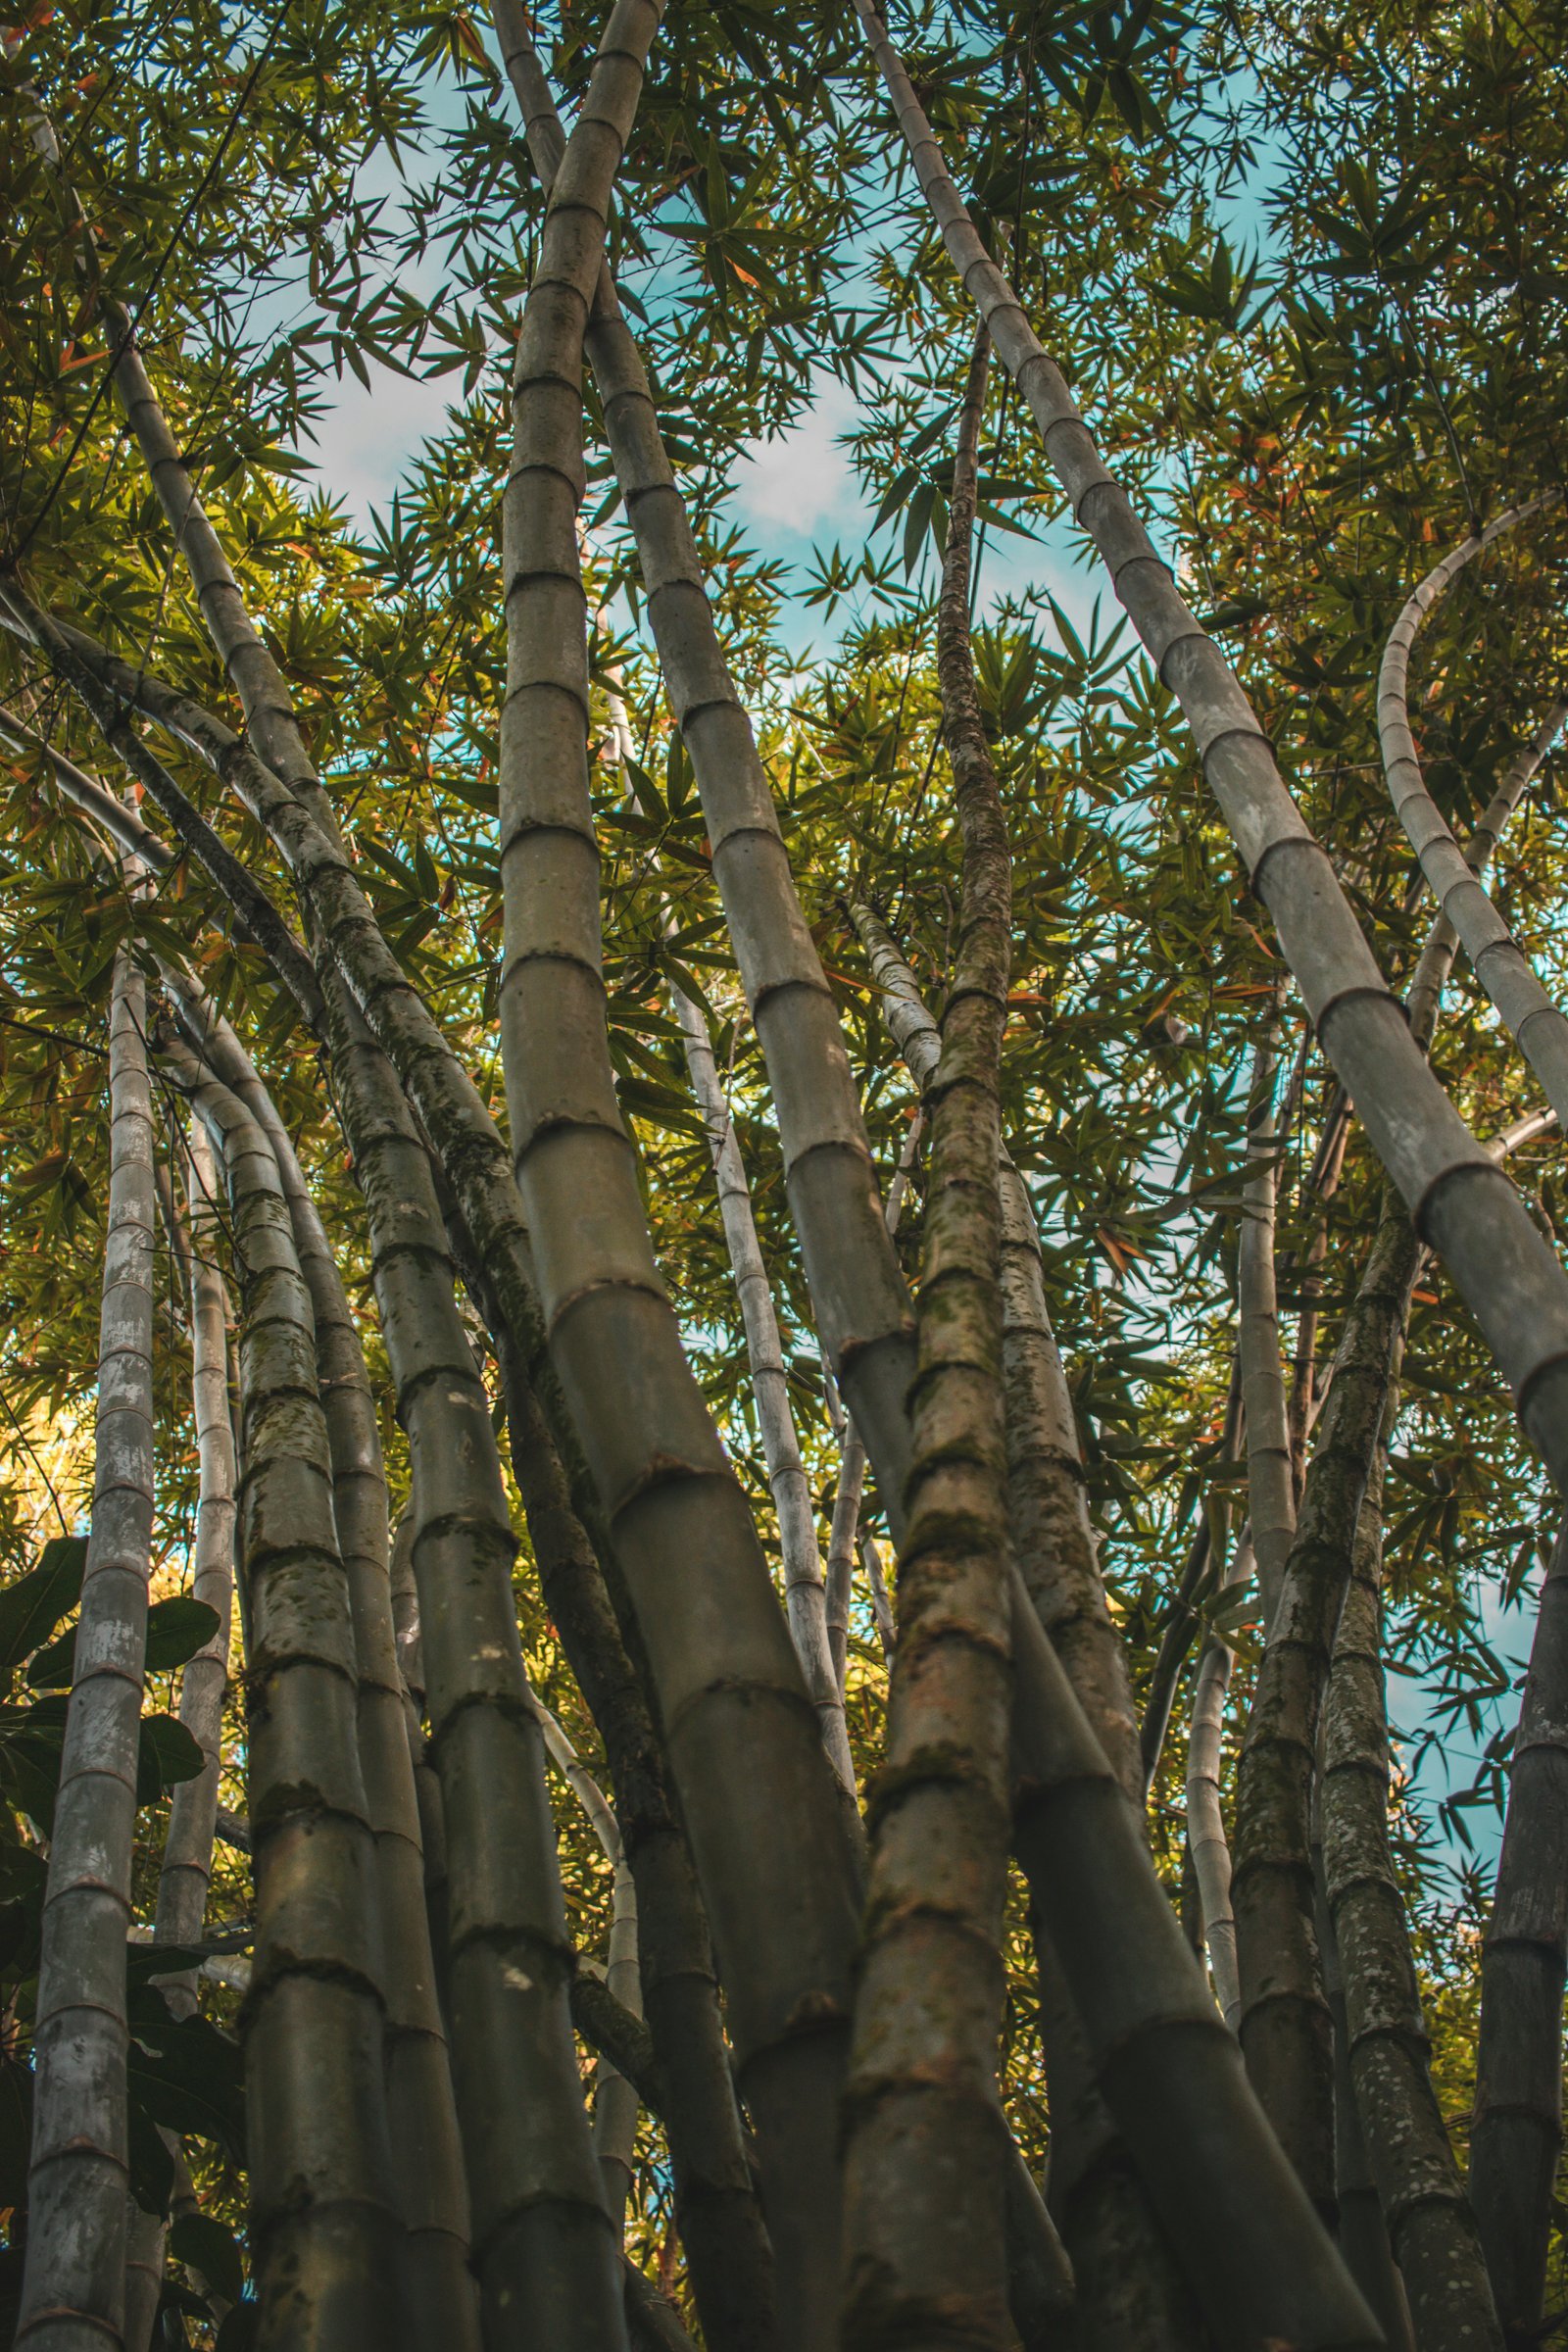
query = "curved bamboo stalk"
{"x": 805, "y": 1585}
{"x": 326, "y": 2242}
{"x": 1537, "y": 1024}
{"x": 1285, "y": 2026}
{"x": 924, "y": 2242}
{"x": 73, "y": 2280}
{"x": 428, "y": 2155}
{"x": 1516, "y": 2137}
{"x": 1206, "y": 1839}
{"x": 1462, "y": 1205}
{"x": 1437, "y": 954}
{"x": 757, "y": 1791}
{"x": 1270, "y": 1484}
{"x": 857, "y": 1290}
{"x": 1432, "y": 2231}
{"x": 616, "y": 2101}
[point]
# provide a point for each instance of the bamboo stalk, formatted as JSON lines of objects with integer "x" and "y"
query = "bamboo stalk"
{"x": 925, "y": 2144}
{"x": 1430, "y": 2227}
{"x": 1516, "y": 2137}
{"x": 857, "y": 1290}
{"x": 326, "y": 2242}
{"x": 1206, "y": 1839}
{"x": 805, "y": 1585}
{"x": 186, "y": 1867}
{"x": 775, "y": 1871}
{"x": 1537, "y": 1024}
{"x": 1285, "y": 2026}
{"x": 428, "y": 2154}
{"x": 1271, "y": 1487}
{"x": 72, "y": 2292}
{"x": 1462, "y": 1205}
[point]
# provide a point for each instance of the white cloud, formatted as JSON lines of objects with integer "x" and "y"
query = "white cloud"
{"x": 801, "y": 480}
{"x": 367, "y": 441}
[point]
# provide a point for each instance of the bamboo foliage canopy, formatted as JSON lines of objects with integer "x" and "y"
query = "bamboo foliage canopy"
{"x": 765, "y": 1783}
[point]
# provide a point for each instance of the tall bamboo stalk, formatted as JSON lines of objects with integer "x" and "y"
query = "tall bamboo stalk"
{"x": 1516, "y": 2137}
{"x": 187, "y": 1859}
{"x": 1536, "y": 1022}
{"x": 857, "y": 1290}
{"x": 1271, "y": 1488}
{"x": 757, "y": 1791}
{"x": 326, "y": 2241}
{"x": 1462, "y": 1205}
{"x": 1430, "y": 2227}
{"x": 805, "y": 1585}
{"x": 427, "y": 2153}
{"x": 1285, "y": 2026}
{"x": 925, "y": 2146}
{"x": 73, "y": 2280}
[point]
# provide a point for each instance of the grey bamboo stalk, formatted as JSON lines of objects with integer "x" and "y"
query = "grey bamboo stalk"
{"x": 1285, "y": 2026}
{"x": 1430, "y": 2227}
{"x": 73, "y": 2280}
{"x": 1206, "y": 1839}
{"x": 427, "y": 2149}
{"x": 1516, "y": 2137}
{"x": 780, "y": 1897}
{"x": 187, "y": 1859}
{"x": 616, "y": 2101}
{"x": 859, "y": 1295}
{"x": 805, "y": 1586}
{"x": 1270, "y": 1483}
{"x": 924, "y": 2244}
{"x": 1463, "y": 1204}
{"x": 1437, "y": 954}
{"x": 1537, "y": 1024}
{"x": 326, "y": 2241}
{"x": 1323, "y": 1182}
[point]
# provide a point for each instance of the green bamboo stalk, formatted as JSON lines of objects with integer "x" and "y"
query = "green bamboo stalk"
{"x": 805, "y": 1585}
{"x": 1285, "y": 2026}
{"x": 1462, "y": 1205}
{"x": 774, "y": 1867}
{"x": 1363, "y": 2237}
{"x": 1537, "y": 1024}
{"x": 858, "y": 1292}
{"x": 72, "y": 2292}
{"x": 925, "y": 2145}
{"x": 326, "y": 2242}
{"x": 730, "y": 2260}
{"x": 427, "y": 2153}
{"x": 1323, "y": 1182}
{"x": 1516, "y": 2137}
{"x": 542, "y": 2245}
{"x": 1271, "y": 1486}
{"x": 1430, "y": 2227}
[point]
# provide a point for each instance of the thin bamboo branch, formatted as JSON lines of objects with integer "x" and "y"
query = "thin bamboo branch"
{"x": 1537, "y": 1024}
{"x": 1206, "y": 1816}
{"x": 1271, "y": 1488}
{"x": 73, "y": 2279}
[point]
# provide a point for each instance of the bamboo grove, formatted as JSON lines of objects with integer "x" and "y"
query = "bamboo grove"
{"x": 786, "y": 1381}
